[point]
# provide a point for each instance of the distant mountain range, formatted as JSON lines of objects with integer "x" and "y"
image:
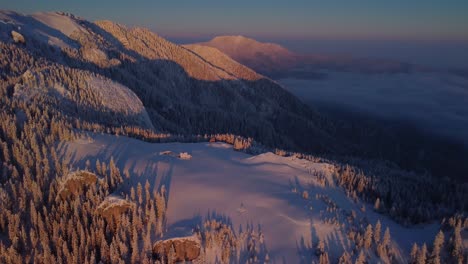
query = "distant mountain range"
{"x": 277, "y": 61}
{"x": 260, "y": 56}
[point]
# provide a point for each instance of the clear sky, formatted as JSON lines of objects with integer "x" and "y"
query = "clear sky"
{"x": 292, "y": 19}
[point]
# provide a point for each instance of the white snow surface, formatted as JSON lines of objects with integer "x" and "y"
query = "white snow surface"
{"x": 112, "y": 201}
{"x": 120, "y": 99}
{"x": 255, "y": 190}
{"x": 50, "y": 27}
{"x": 112, "y": 96}
{"x": 60, "y": 22}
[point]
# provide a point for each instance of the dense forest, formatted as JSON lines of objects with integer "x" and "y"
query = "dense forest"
{"x": 50, "y": 214}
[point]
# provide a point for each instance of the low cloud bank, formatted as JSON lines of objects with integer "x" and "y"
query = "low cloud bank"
{"x": 437, "y": 102}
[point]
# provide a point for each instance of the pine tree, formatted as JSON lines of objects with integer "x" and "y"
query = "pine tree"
{"x": 225, "y": 251}
{"x": 377, "y": 232}
{"x": 381, "y": 251}
{"x": 368, "y": 237}
{"x": 438, "y": 244}
{"x": 147, "y": 239}
{"x": 160, "y": 210}
{"x": 320, "y": 248}
{"x": 324, "y": 258}
{"x": 135, "y": 249}
{"x": 140, "y": 193}
{"x": 345, "y": 258}
{"x": 361, "y": 259}
{"x": 414, "y": 253}
{"x": 377, "y": 204}
{"x": 132, "y": 194}
{"x": 457, "y": 244}
{"x": 105, "y": 251}
{"x": 386, "y": 238}
{"x": 422, "y": 256}
{"x": 147, "y": 192}
{"x": 171, "y": 256}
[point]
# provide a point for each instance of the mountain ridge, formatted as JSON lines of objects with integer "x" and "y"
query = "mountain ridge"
{"x": 276, "y": 61}
{"x": 261, "y": 56}
{"x": 185, "y": 90}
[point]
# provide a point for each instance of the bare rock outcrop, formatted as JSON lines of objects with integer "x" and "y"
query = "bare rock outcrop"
{"x": 184, "y": 248}
{"x": 17, "y": 37}
{"x": 114, "y": 206}
{"x": 75, "y": 182}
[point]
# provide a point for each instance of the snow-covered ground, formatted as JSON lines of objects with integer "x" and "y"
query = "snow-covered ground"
{"x": 120, "y": 99}
{"x": 48, "y": 27}
{"x": 255, "y": 190}
{"x": 61, "y": 22}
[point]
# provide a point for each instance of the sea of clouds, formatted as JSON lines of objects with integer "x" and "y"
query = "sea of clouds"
{"x": 434, "y": 101}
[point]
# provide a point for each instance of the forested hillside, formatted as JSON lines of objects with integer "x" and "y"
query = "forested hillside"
{"x": 182, "y": 91}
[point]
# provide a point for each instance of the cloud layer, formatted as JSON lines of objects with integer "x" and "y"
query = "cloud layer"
{"x": 436, "y": 102}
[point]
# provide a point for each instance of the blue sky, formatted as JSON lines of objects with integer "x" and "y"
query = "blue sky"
{"x": 291, "y": 19}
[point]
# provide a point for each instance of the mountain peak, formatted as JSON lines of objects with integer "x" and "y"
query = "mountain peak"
{"x": 243, "y": 40}
{"x": 235, "y": 38}
{"x": 262, "y": 56}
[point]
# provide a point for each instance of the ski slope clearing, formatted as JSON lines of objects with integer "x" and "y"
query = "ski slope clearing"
{"x": 266, "y": 190}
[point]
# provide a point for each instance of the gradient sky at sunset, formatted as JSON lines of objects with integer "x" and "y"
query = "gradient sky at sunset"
{"x": 294, "y": 19}
{"x": 432, "y": 32}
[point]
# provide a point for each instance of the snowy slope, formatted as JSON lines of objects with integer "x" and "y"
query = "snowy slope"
{"x": 222, "y": 61}
{"x": 48, "y": 27}
{"x": 120, "y": 99}
{"x": 256, "y": 190}
{"x": 194, "y": 90}
{"x": 59, "y": 21}
{"x": 103, "y": 95}
{"x": 260, "y": 56}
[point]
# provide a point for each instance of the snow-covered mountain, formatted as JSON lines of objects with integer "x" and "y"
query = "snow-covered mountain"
{"x": 260, "y": 56}
{"x": 278, "y": 62}
{"x": 187, "y": 90}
